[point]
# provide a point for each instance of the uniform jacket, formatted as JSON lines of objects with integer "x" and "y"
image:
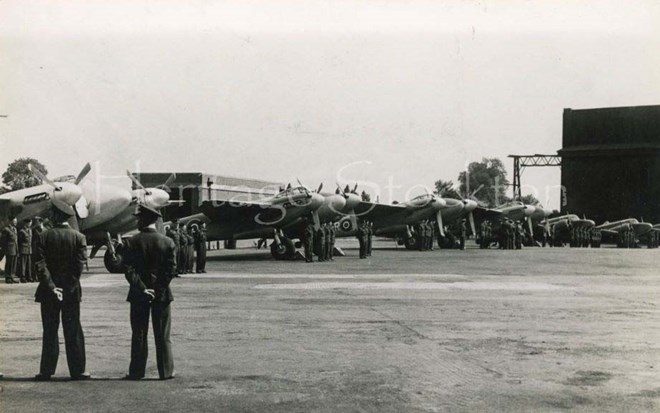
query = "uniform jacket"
{"x": 10, "y": 240}
{"x": 25, "y": 241}
{"x": 150, "y": 263}
{"x": 60, "y": 258}
{"x": 37, "y": 233}
{"x": 200, "y": 239}
{"x": 174, "y": 235}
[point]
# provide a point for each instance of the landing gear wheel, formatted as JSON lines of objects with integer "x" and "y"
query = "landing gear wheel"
{"x": 412, "y": 243}
{"x": 113, "y": 263}
{"x": 285, "y": 250}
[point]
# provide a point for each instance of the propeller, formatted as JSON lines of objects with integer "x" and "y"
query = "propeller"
{"x": 441, "y": 226}
{"x": 137, "y": 182}
{"x": 473, "y": 227}
{"x": 355, "y": 188}
{"x": 83, "y": 173}
{"x": 43, "y": 177}
{"x": 341, "y": 191}
{"x": 168, "y": 182}
{"x": 318, "y": 190}
{"x": 531, "y": 228}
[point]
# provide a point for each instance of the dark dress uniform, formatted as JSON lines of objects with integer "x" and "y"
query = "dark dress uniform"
{"x": 10, "y": 246}
{"x": 463, "y": 234}
{"x": 183, "y": 252}
{"x": 200, "y": 250}
{"x": 326, "y": 242}
{"x": 150, "y": 264}
{"x": 308, "y": 238}
{"x": 191, "y": 252}
{"x": 61, "y": 257}
{"x": 37, "y": 233}
{"x": 369, "y": 234}
{"x": 361, "y": 236}
{"x": 24, "y": 270}
{"x": 331, "y": 245}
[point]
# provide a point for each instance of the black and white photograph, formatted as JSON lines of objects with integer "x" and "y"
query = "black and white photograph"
{"x": 329, "y": 206}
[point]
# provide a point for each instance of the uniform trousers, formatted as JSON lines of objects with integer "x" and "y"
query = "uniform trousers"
{"x": 161, "y": 321}
{"x": 74, "y": 340}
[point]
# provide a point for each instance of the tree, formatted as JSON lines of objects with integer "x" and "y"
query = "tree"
{"x": 365, "y": 196}
{"x": 446, "y": 189}
{"x": 529, "y": 199}
{"x": 18, "y": 176}
{"x": 485, "y": 181}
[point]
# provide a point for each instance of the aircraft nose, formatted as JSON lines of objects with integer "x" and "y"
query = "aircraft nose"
{"x": 529, "y": 210}
{"x": 69, "y": 194}
{"x": 439, "y": 203}
{"x": 352, "y": 201}
{"x": 316, "y": 200}
{"x": 157, "y": 198}
{"x": 470, "y": 205}
{"x": 337, "y": 202}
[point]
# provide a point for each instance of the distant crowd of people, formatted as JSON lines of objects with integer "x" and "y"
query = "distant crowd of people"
{"x": 190, "y": 242}
{"x": 17, "y": 245}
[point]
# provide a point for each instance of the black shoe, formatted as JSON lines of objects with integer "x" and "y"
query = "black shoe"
{"x": 203, "y": 271}
{"x": 42, "y": 377}
{"x": 169, "y": 378}
{"x": 131, "y": 377}
{"x": 83, "y": 376}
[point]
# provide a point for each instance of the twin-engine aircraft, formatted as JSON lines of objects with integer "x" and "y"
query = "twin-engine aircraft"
{"x": 613, "y": 230}
{"x": 38, "y": 200}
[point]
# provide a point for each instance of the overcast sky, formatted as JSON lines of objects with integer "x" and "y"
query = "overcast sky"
{"x": 405, "y": 92}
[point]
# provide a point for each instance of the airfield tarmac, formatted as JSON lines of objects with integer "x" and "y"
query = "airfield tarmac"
{"x": 533, "y": 330}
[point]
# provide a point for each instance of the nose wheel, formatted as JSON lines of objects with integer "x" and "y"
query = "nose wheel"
{"x": 283, "y": 250}
{"x": 412, "y": 243}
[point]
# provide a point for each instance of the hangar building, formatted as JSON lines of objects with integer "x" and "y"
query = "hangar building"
{"x": 197, "y": 187}
{"x": 611, "y": 163}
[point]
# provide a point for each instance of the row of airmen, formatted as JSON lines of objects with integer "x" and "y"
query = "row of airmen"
{"x": 321, "y": 241}
{"x": 582, "y": 237}
{"x": 190, "y": 242}
{"x": 17, "y": 245}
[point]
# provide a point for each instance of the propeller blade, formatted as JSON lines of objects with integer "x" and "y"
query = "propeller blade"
{"x": 83, "y": 173}
{"x": 473, "y": 227}
{"x": 341, "y": 191}
{"x": 531, "y": 228}
{"x": 135, "y": 180}
{"x": 81, "y": 208}
{"x": 168, "y": 182}
{"x": 41, "y": 176}
{"x": 320, "y": 187}
{"x": 441, "y": 226}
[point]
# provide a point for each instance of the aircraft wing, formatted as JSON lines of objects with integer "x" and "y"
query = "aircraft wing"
{"x": 481, "y": 214}
{"x": 375, "y": 212}
{"x": 246, "y": 214}
{"x": 609, "y": 231}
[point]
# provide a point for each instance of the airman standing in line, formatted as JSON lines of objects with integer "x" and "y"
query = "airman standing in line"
{"x": 362, "y": 240}
{"x": 200, "y": 248}
{"x": 432, "y": 235}
{"x": 37, "y": 231}
{"x": 10, "y": 246}
{"x": 308, "y": 241}
{"x": 463, "y": 234}
{"x": 370, "y": 236}
{"x": 173, "y": 233}
{"x": 326, "y": 241}
{"x": 24, "y": 271}
{"x": 331, "y": 245}
{"x": 183, "y": 249}
{"x": 191, "y": 250}
{"x": 320, "y": 236}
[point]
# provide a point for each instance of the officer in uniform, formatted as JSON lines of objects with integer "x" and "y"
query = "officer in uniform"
{"x": 432, "y": 234}
{"x": 37, "y": 231}
{"x": 463, "y": 234}
{"x": 200, "y": 248}
{"x": 191, "y": 250}
{"x": 24, "y": 270}
{"x": 183, "y": 250}
{"x": 61, "y": 256}
{"x": 362, "y": 240}
{"x": 320, "y": 239}
{"x": 331, "y": 245}
{"x": 308, "y": 241}
{"x": 422, "y": 235}
{"x": 150, "y": 262}
{"x": 369, "y": 233}
{"x": 10, "y": 247}
{"x": 173, "y": 233}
